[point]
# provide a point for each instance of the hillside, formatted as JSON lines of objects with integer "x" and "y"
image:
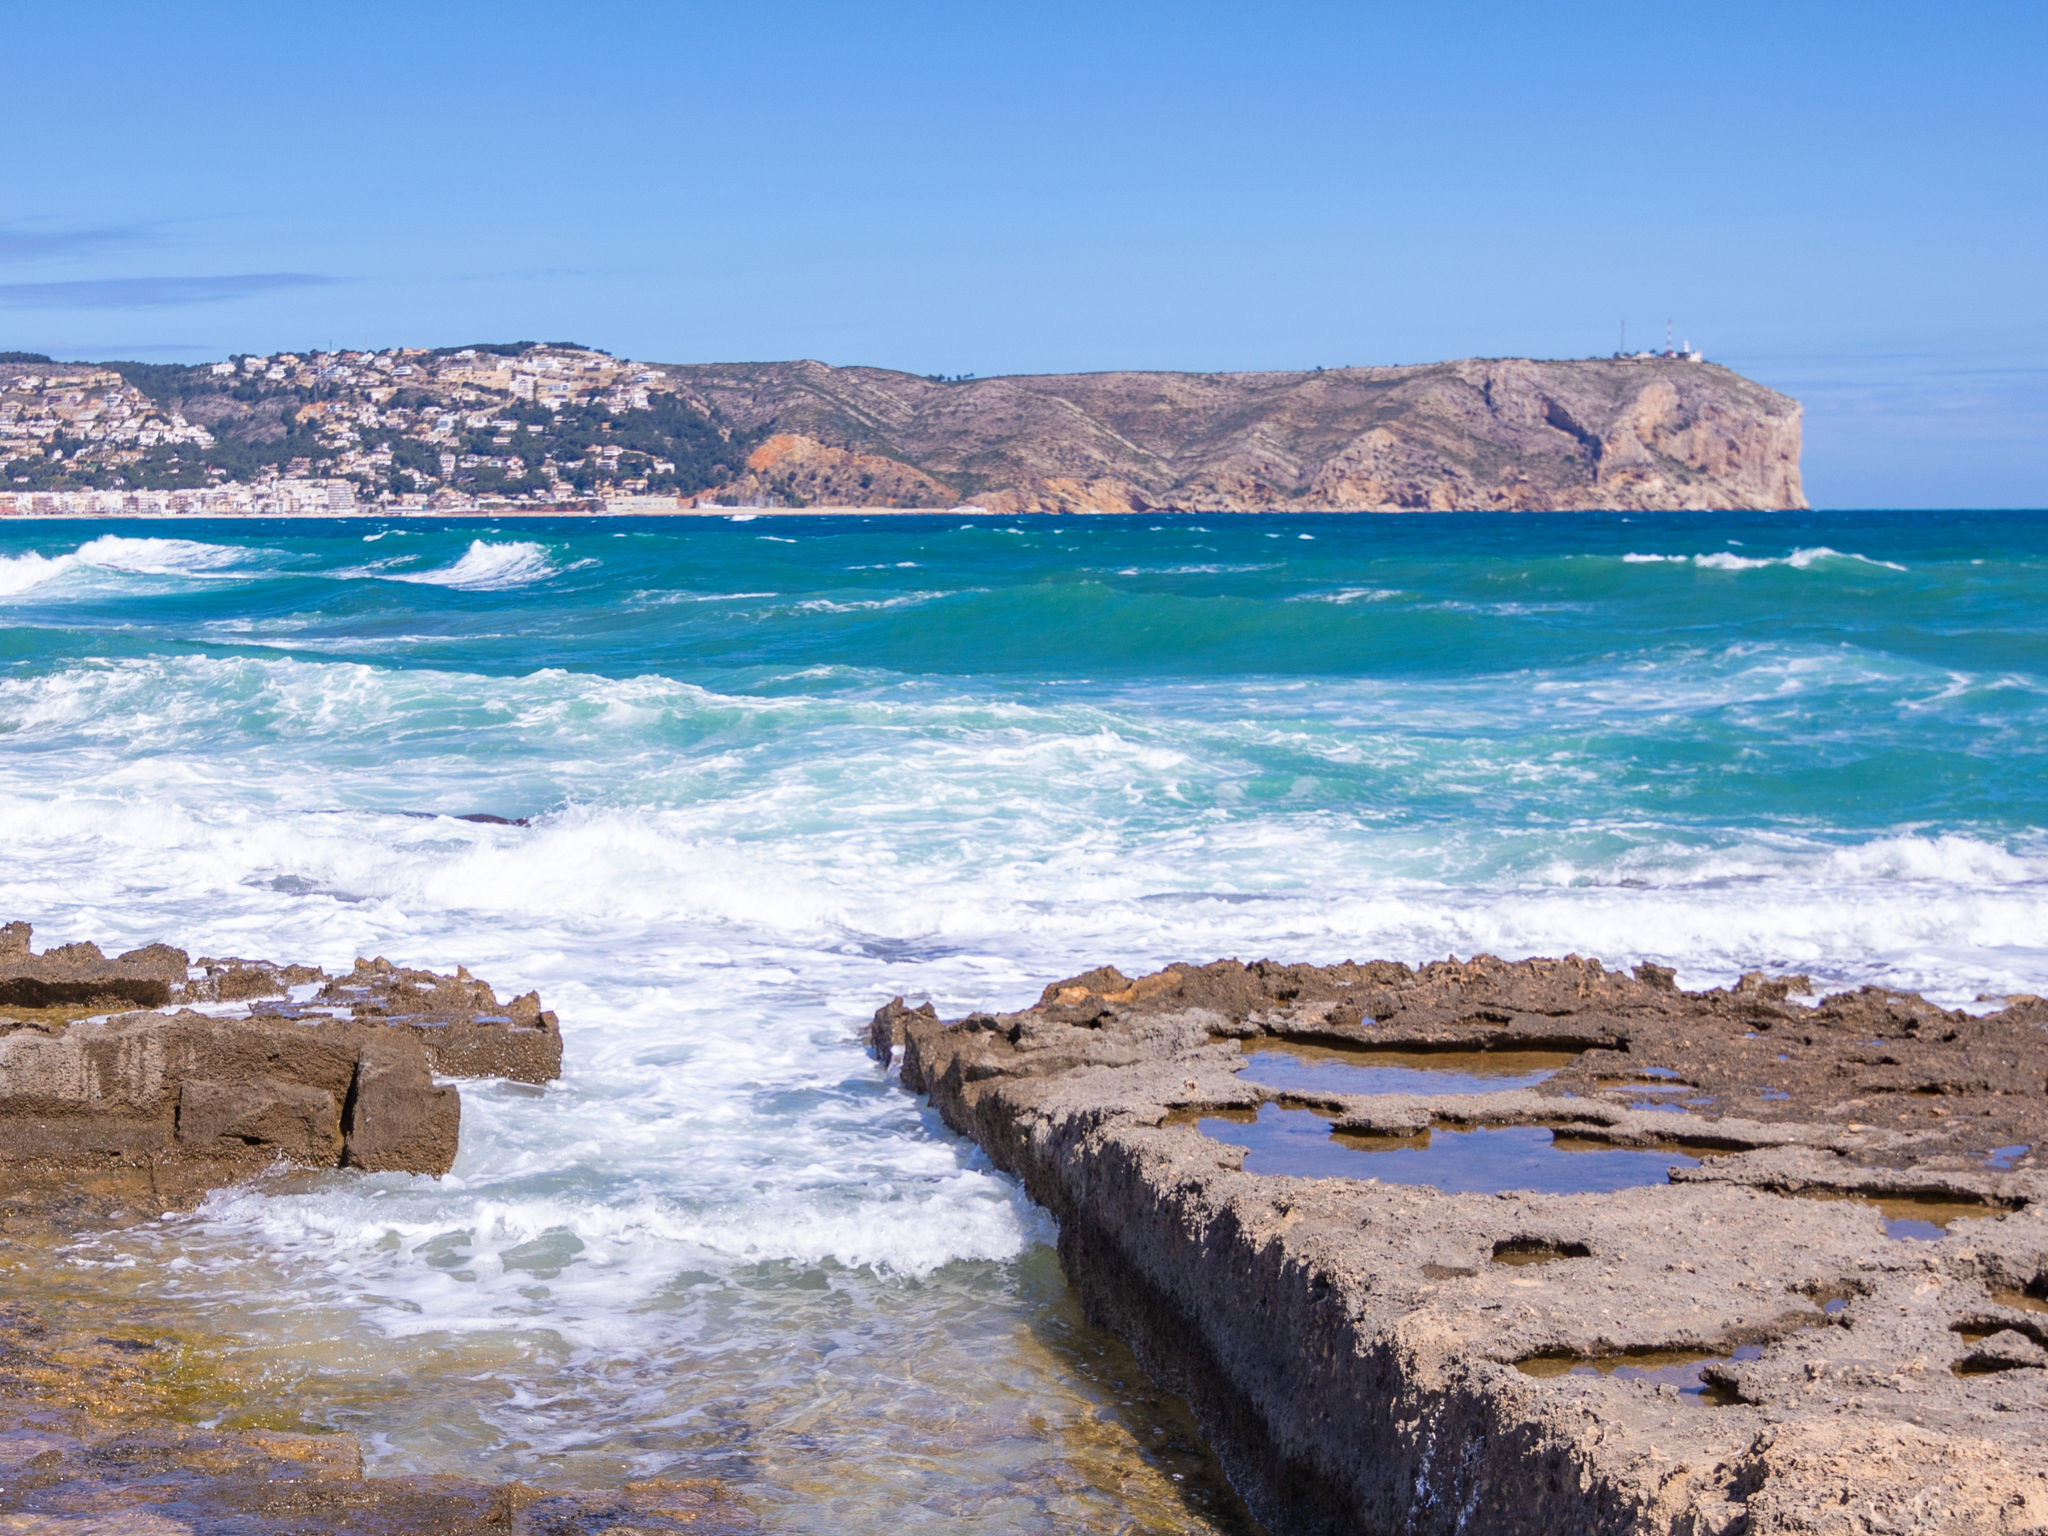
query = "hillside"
{"x": 1511, "y": 434}
{"x": 554, "y": 424}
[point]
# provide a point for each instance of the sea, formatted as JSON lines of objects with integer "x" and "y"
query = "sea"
{"x": 759, "y": 774}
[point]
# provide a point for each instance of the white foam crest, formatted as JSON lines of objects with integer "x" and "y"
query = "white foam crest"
{"x": 21, "y": 573}
{"x": 1798, "y": 560}
{"x": 162, "y": 557}
{"x": 1194, "y": 570}
{"x": 486, "y": 567}
{"x": 872, "y": 604}
{"x": 459, "y": 1256}
{"x": 1346, "y": 595}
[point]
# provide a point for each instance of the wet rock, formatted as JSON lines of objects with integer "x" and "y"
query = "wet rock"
{"x": 200, "y": 1099}
{"x": 233, "y": 980}
{"x": 398, "y": 1119}
{"x": 885, "y": 1030}
{"x": 302, "y": 1123}
{"x": 1845, "y": 1270}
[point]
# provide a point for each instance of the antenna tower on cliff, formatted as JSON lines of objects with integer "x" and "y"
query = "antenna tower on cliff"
{"x": 1667, "y": 338}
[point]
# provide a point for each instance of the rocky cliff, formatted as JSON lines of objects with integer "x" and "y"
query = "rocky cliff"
{"x": 1482, "y": 434}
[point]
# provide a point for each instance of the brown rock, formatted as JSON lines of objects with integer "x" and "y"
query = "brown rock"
{"x": 458, "y": 1019}
{"x": 159, "y": 1106}
{"x": 303, "y": 1124}
{"x": 80, "y": 973}
{"x": 397, "y": 1118}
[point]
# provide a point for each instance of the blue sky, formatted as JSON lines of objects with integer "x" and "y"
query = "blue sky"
{"x": 1847, "y": 202}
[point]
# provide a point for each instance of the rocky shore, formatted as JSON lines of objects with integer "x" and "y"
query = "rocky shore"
{"x": 131, "y": 1085}
{"x": 1541, "y": 1247}
{"x": 149, "y": 1076}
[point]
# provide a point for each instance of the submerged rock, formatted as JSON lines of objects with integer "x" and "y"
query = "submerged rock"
{"x": 88, "y": 1447}
{"x": 1825, "y": 1314}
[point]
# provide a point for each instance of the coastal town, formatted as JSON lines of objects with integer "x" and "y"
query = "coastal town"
{"x": 543, "y": 427}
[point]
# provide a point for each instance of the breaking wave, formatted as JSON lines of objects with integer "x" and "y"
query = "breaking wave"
{"x": 114, "y": 553}
{"x": 485, "y": 568}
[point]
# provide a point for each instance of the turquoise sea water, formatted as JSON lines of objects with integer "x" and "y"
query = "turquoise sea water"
{"x": 777, "y": 770}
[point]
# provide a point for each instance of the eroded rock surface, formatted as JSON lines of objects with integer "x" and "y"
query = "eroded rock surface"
{"x": 1830, "y": 1317}
{"x": 262, "y": 1063}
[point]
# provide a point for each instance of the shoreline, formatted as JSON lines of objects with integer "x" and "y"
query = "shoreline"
{"x": 751, "y": 514}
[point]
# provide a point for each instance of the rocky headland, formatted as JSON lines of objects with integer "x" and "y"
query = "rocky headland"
{"x": 131, "y": 1085}
{"x": 1483, "y": 434}
{"x": 1538, "y": 1247}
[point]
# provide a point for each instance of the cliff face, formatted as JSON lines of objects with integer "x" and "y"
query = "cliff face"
{"x": 1504, "y": 434}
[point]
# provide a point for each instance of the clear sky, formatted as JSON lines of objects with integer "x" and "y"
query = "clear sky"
{"x": 1845, "y": 201}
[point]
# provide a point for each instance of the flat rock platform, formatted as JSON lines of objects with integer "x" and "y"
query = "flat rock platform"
{"x": 1541, "y": 1247}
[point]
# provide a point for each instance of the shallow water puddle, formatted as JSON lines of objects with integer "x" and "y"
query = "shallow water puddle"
{"x": 1485, "y": 1160}
{"x": 2012, "y": 1296}
{"x": 1302, "y": 1067}
{"x": 1656, "y": 1088}
{"x": 1913, "y": 1218}
{"x": 1678, "y": 1368}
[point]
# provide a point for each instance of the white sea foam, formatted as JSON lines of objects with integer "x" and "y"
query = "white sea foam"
{"x": 1193, "y": 570}
{"x": 1345, "y": 595}
{"x": 871, "y": 604}
{"x": 162, "y": 557}
{"x": 485, "y": 567}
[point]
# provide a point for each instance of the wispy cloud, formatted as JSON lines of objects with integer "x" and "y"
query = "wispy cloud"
{"x": 20, "y": 242}
{"x": 151, "y": 292}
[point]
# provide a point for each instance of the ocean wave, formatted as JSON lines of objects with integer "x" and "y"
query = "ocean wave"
{"x": 161, "y": 557}
{"x": 485, "y": 568}
{"x": 1728, "y": 560}
{"x": 117, "y": 554}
